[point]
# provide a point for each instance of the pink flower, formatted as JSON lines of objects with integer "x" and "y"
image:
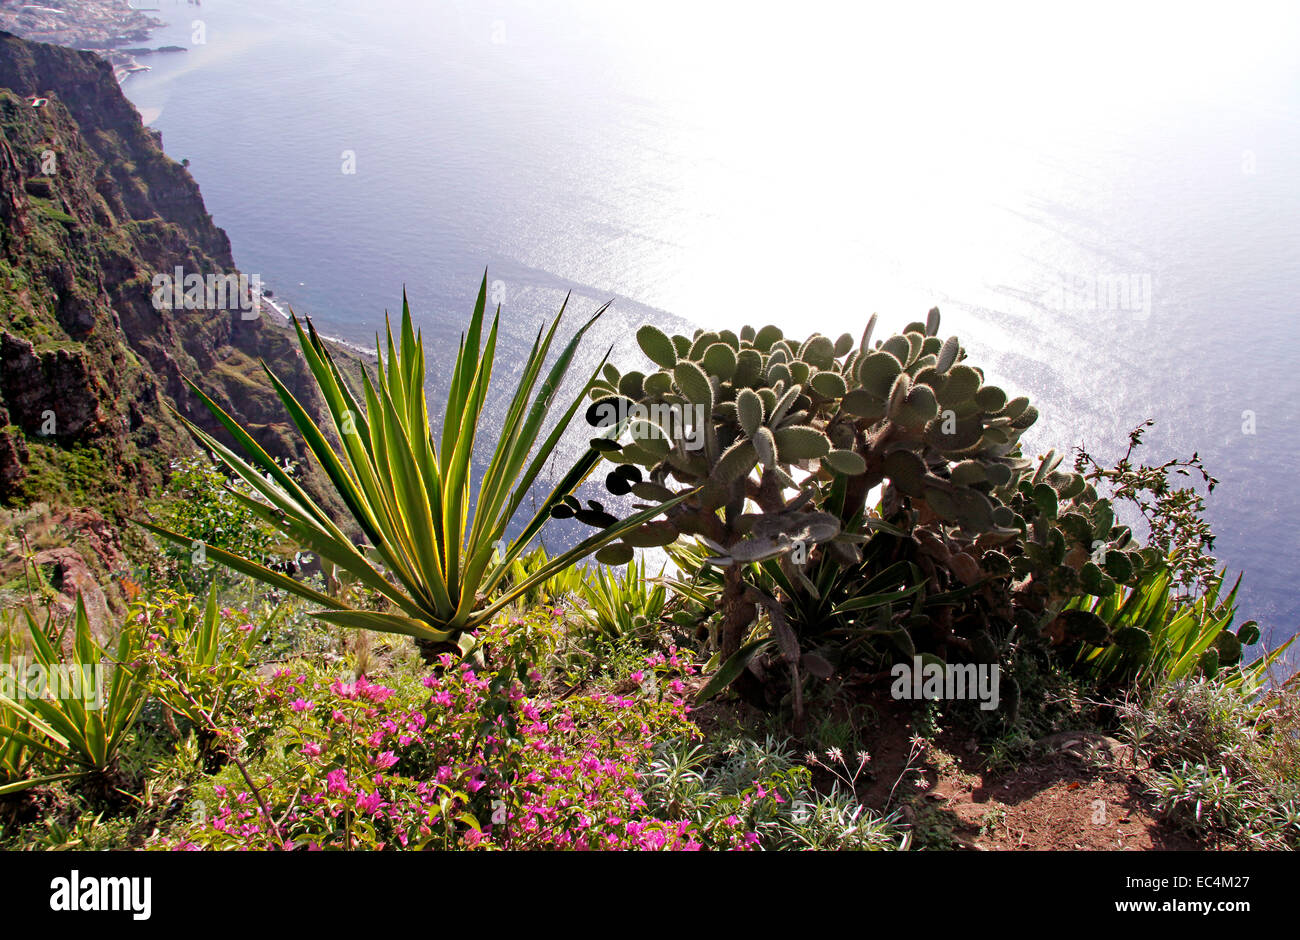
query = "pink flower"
{"x": 385, "y": 760}
{"x": 311, "y": 749}
{"x": 337, "y": 781}
{"x": 300, "y": 705}
{"x": 371, "y": 692}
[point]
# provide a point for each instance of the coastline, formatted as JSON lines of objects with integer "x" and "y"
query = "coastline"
{"x": 125, "y": 70}
{"x": 275, "y": 305}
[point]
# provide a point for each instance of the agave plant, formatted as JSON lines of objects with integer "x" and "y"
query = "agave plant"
{"x": 558, "y": 587}
{"x": 1150, "y": 636}
{"x": 410, "y": 494}
{"x": 627, "y": 606}
{"x": 15, "y": 754}
{"x": 84, "y": 725}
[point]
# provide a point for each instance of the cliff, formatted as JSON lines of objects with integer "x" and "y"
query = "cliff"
{"x": 92, "y": 211}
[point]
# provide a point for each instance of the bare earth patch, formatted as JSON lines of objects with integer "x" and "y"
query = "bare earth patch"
{"x": 1077, "y": 790}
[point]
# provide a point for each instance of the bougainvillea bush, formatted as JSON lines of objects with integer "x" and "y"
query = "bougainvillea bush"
{"x": 473, "y": 754}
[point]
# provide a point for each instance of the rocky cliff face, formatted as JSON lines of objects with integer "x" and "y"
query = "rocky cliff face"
{"x": 91, "y": 211}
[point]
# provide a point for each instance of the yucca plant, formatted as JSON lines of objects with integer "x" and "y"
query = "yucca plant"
{"x": 84, "y": 730}
{"x": 1159, "y": 637}
{"x": 626, "y": 606}
{"x": 411, "y": 494}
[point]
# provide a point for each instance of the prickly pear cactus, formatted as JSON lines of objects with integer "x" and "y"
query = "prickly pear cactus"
{"x": 1071, "y": 541}
{"x": 783, "y": 442}
{"x": 756, "y": 418}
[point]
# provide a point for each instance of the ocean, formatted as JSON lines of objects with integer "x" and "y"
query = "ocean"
{"x": 1103, "y": 201}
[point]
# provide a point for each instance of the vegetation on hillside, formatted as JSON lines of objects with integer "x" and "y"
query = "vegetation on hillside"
{"x": 829, "y": 511}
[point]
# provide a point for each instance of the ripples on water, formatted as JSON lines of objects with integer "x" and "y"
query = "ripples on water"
{"x": 801, "y": 165}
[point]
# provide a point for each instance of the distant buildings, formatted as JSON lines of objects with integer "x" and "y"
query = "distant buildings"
{"x": 82, "y": 24}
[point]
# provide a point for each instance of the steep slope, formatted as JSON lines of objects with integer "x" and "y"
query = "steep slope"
{"x": 91, "y": 212}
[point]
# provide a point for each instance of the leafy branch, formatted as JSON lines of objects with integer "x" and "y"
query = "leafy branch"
{"x": 1174, "y": 514}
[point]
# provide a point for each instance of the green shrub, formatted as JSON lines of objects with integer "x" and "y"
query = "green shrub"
{"x": 1221, "y": 764}
{"x": 200, "y": 504}
{"x": 198, "y": 656}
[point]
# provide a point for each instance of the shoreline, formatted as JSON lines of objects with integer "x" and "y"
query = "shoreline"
{"x": 125, "y": 70}
{"x": 284, "y": 315}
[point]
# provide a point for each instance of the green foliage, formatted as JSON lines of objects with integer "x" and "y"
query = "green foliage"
{"x": 760, "y": 786}
{"x": 74, "y": 476}
{"x": 200, "y": 504}
{"x": 1221, "y": 763}
{"x": 630, "y": 605}
{"x": 410, "y": 494}
{"x": 563, "y": 584}
{"x": 1148, "y": 635}
{"x": 1071, "y": 540}
{"x": 198, "y": 655}
{"x": 74, "y": 723}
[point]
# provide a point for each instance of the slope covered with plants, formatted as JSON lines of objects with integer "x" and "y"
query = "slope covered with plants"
{"x": 831, "y": 510}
